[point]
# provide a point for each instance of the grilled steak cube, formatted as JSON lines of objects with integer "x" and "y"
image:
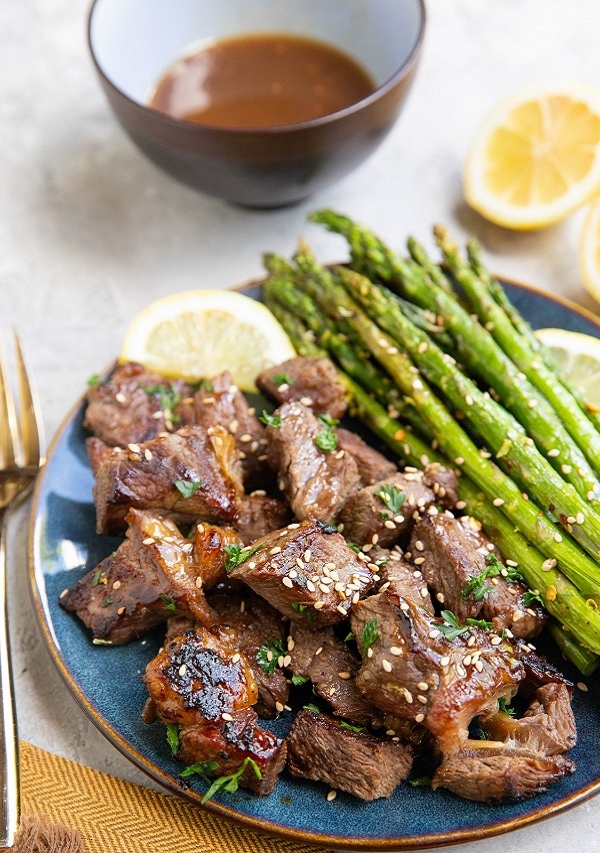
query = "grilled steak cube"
{"x": 381, "y": 513}
{"x": 152, "y": 575}
{"x": 219, "y": 403}
{"x": 316, "y": 482}
{"x": 307, "y": 572}
{"x": 259, "y": 514}
{"x": 187, "y": 475}
{"x": 256, "y": 629}
{"x": 363, "y": 765}
{"x": 400, "y": 576}
{"x": 411, "y": 669}
{"x": 464, "y": 570}
{"x": 332, "y": 667}
{"x": 97, "y": 451}
{"x": 207, "y": 687}
{"x": 487, "y": 774}
{"x": 372, "y": 465}
{"x": 443, "y": 483}
{"x": 307, "y": 380}
{"x": 134, "y": 406}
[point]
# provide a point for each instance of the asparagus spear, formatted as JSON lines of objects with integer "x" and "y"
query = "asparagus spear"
{"x": 451, "y": 438}
{"x": 514, "y": 344}
{"x": 560, "y": 597}
{"x": 475, "y": 346}
{"x": 494, "y": 426}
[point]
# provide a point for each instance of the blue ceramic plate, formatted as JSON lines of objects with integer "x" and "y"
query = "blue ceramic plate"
{"x": 106, "y": 681}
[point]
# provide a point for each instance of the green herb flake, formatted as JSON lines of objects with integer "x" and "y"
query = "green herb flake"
{"x": 420, "y": 782}
{"x": 107, "y": 602}
{"x": 169, "y": 398}
{"x": 169, "y": 603}
{"x": 451, "y": 627}
{"x": 392, "y": 497}
{"x": 349, "y": 727}
{"x": 299, "y": 680}
{"x": 202, "y": 768}
{"x": 269, "y": 653}
{"x": 297, "y": 607}
{"x": 273, "y": 421}
{"x": 282, "y": 379}
{"x": 94, "y": 381}
{"x": 235, "y": 555}
{"x": 173, "y": 737}
{"x": 97, "y": 577}
{"x": 353, "y": 546}
{"x": 532, "y": 597}
{"x": 187, "y": 488}
{"x": 230, "y": 783}
{"x": 327, "y": 439}
{"x": 370, "y": 635}
{"x": 506, "y": 709}
{"x": 479, "y": 623}
{"x": 312, "y": 708}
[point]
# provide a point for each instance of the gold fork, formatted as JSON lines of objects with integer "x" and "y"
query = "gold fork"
{"x": 21, "y": 456}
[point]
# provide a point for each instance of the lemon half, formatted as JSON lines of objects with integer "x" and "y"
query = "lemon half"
{"x": 196, "y": 334}
{"x": 578, "y": 357}
{"x": 536, "y": 157}
{"x": 589, "y": 251}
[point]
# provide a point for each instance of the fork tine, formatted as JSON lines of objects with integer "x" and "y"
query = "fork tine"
{"x": 8, "y": 420}
{"x": 31, "y": 424}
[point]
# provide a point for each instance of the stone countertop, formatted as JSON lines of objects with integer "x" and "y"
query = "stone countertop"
{"x": 90, "y": 232}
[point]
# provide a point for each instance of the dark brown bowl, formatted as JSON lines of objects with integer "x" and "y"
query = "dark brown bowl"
{"x": 268, "y": 167}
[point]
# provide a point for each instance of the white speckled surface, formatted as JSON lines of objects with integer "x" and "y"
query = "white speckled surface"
{"x": 90, "y": 232}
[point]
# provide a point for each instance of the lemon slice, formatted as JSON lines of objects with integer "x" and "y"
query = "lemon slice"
{"x": 589, "y": 251}
{"x": 578, "y": 357}
{"x": 198, "y": 333}
{"x": 536, "y": 157}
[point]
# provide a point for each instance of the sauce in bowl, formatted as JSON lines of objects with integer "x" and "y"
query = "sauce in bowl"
{"x": 261, "y": 80}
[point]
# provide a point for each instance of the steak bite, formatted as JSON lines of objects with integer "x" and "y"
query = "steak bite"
{"x": 258, "y": 514}
{"x": 372, "y": 465}
{"x": 316, "y": 482}
{"x": 255, "y": 628}
{"x": 153, "y": 575}
{"x": 490, "y": 774}
{"x": 307, "y": 572}
{"x": 465, "y": 572}
{"x": 411, "y": 669}
{"x": 219, "y": 403}
{"x": 357, "y": 762}
{"x": 401, "y": 577}
{"x": 331, "y": 666}
{"x": 187, "y": 475}
{"x": 133, "y": 405}
{"x": 307, "y": 380}
{"x": 381, "y": 513}
{"x": 207, "y": 687}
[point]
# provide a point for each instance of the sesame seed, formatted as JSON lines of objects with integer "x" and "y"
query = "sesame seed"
{"x": 278, "y": 707}
{"x": 580, "y": 518}
{"x": 444, "y": 661}
{"x": 419, "y": 718}
{"x": 459, "y": 460}
{"x": 548, "y": 564}
{"x": 148, "y": 541}
{"x": 498, "y": 501}
{"x": 120, "y": 397}
{"x": 440, "y": 597}
{"x": 135, "y": 448}
{"x": 120, "y": 611}
{"x": 199, "y": 582}
{"x": 236, "y": 657}
{"x": 341, "y": 609}
{"x": 532, "y": 403}
{"x": 467, "y": 660}
{"x": 460, "y": 670}
{"x": 422, "y": 347}
{"x": 394, "y": 650}
{"x": 287, "y": 582}
{"x": 182, "y": 669}
{"x": 408, "y": 695}
{"x": 246, "y": 438}
{"x": 554, "y": 452}
{"x": 461, "y": 504}
{"x": 345, "y": 675}
{"x": 318, "y": 605}
{"x": 148, "y": 454}
{"x": 422, "y": 699}
{"x": 275, "y": 550}
{"x": 582, "y": 686}
{"x": 331, "y": 796}
{"x": 469, "y": 400}
{"x": 287, "y": 660}
{"x": 386, "y": 665}
{"x": 64, "y": 592}
{"x": 478, "y": 666}
{"x": 495, "y": 641}
{"x": 557, "y": 537}
{"x": 306, "y": 401}
{"x": 252, "y": 564}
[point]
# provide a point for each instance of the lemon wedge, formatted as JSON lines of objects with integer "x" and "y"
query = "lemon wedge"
{"x": 589, "y": 251}
{"x": 536, "y": 157}
{"x": 578, "y": 357}
{"x": 196, "y": 334}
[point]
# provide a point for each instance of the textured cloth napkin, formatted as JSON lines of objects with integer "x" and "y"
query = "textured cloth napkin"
{"x": 69, "y": 808}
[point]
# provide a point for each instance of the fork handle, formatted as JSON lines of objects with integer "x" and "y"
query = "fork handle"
{"x": 10, "y": 805}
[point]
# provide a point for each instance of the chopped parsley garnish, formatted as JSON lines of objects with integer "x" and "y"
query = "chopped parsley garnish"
{"x": 228, "y": 783}
{"x": 169, "y": 603}
{"x": 269, "y": 653}
{"x": 94, "y": 381}
{"x": 349, "y": 636}
{"x": 392, "y": 497}
{"x": 299, "y": 680}
{"x": 168, "y": 397}
{"x": 420, "y": 782}
{"x": 282, "y": 379}
{"x": 173, "y": 737}
{"x": 349, "y": 727}
{"x": 353, "y": 546}
{"x": 205, "y": 385}
{"x": 506, "y": 709}
{"x": 477, "y": 586}
{"x": 530, "y": 597}
{"x": 187, "y": 488}
{"x": 302, "y": 608}
{"x": 370, "y": 635}
{"x": 97, "y": 577}
{"x": 310, "y": 707}
{"x": 327, "y": 439}
{"x": 270, "y": 420}
{"x": 479, "y": 623}
{"x": 235, "y": 555}
{"x": 451, "y": 627}
{"x": 107, "y": 602}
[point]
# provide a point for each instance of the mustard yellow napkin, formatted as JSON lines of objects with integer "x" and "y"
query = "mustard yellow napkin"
{"x": 68, "y": 808}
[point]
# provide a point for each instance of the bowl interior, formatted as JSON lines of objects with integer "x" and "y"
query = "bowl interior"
{"x": 135, "y": 41}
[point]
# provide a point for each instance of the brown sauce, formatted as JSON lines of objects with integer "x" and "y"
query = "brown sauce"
{"x": 262, "y": 80}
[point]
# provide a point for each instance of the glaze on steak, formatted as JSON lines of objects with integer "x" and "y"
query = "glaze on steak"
{"x": 310, "y": 381}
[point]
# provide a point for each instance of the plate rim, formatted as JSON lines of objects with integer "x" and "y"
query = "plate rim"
{"x": 169, "y": 783}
